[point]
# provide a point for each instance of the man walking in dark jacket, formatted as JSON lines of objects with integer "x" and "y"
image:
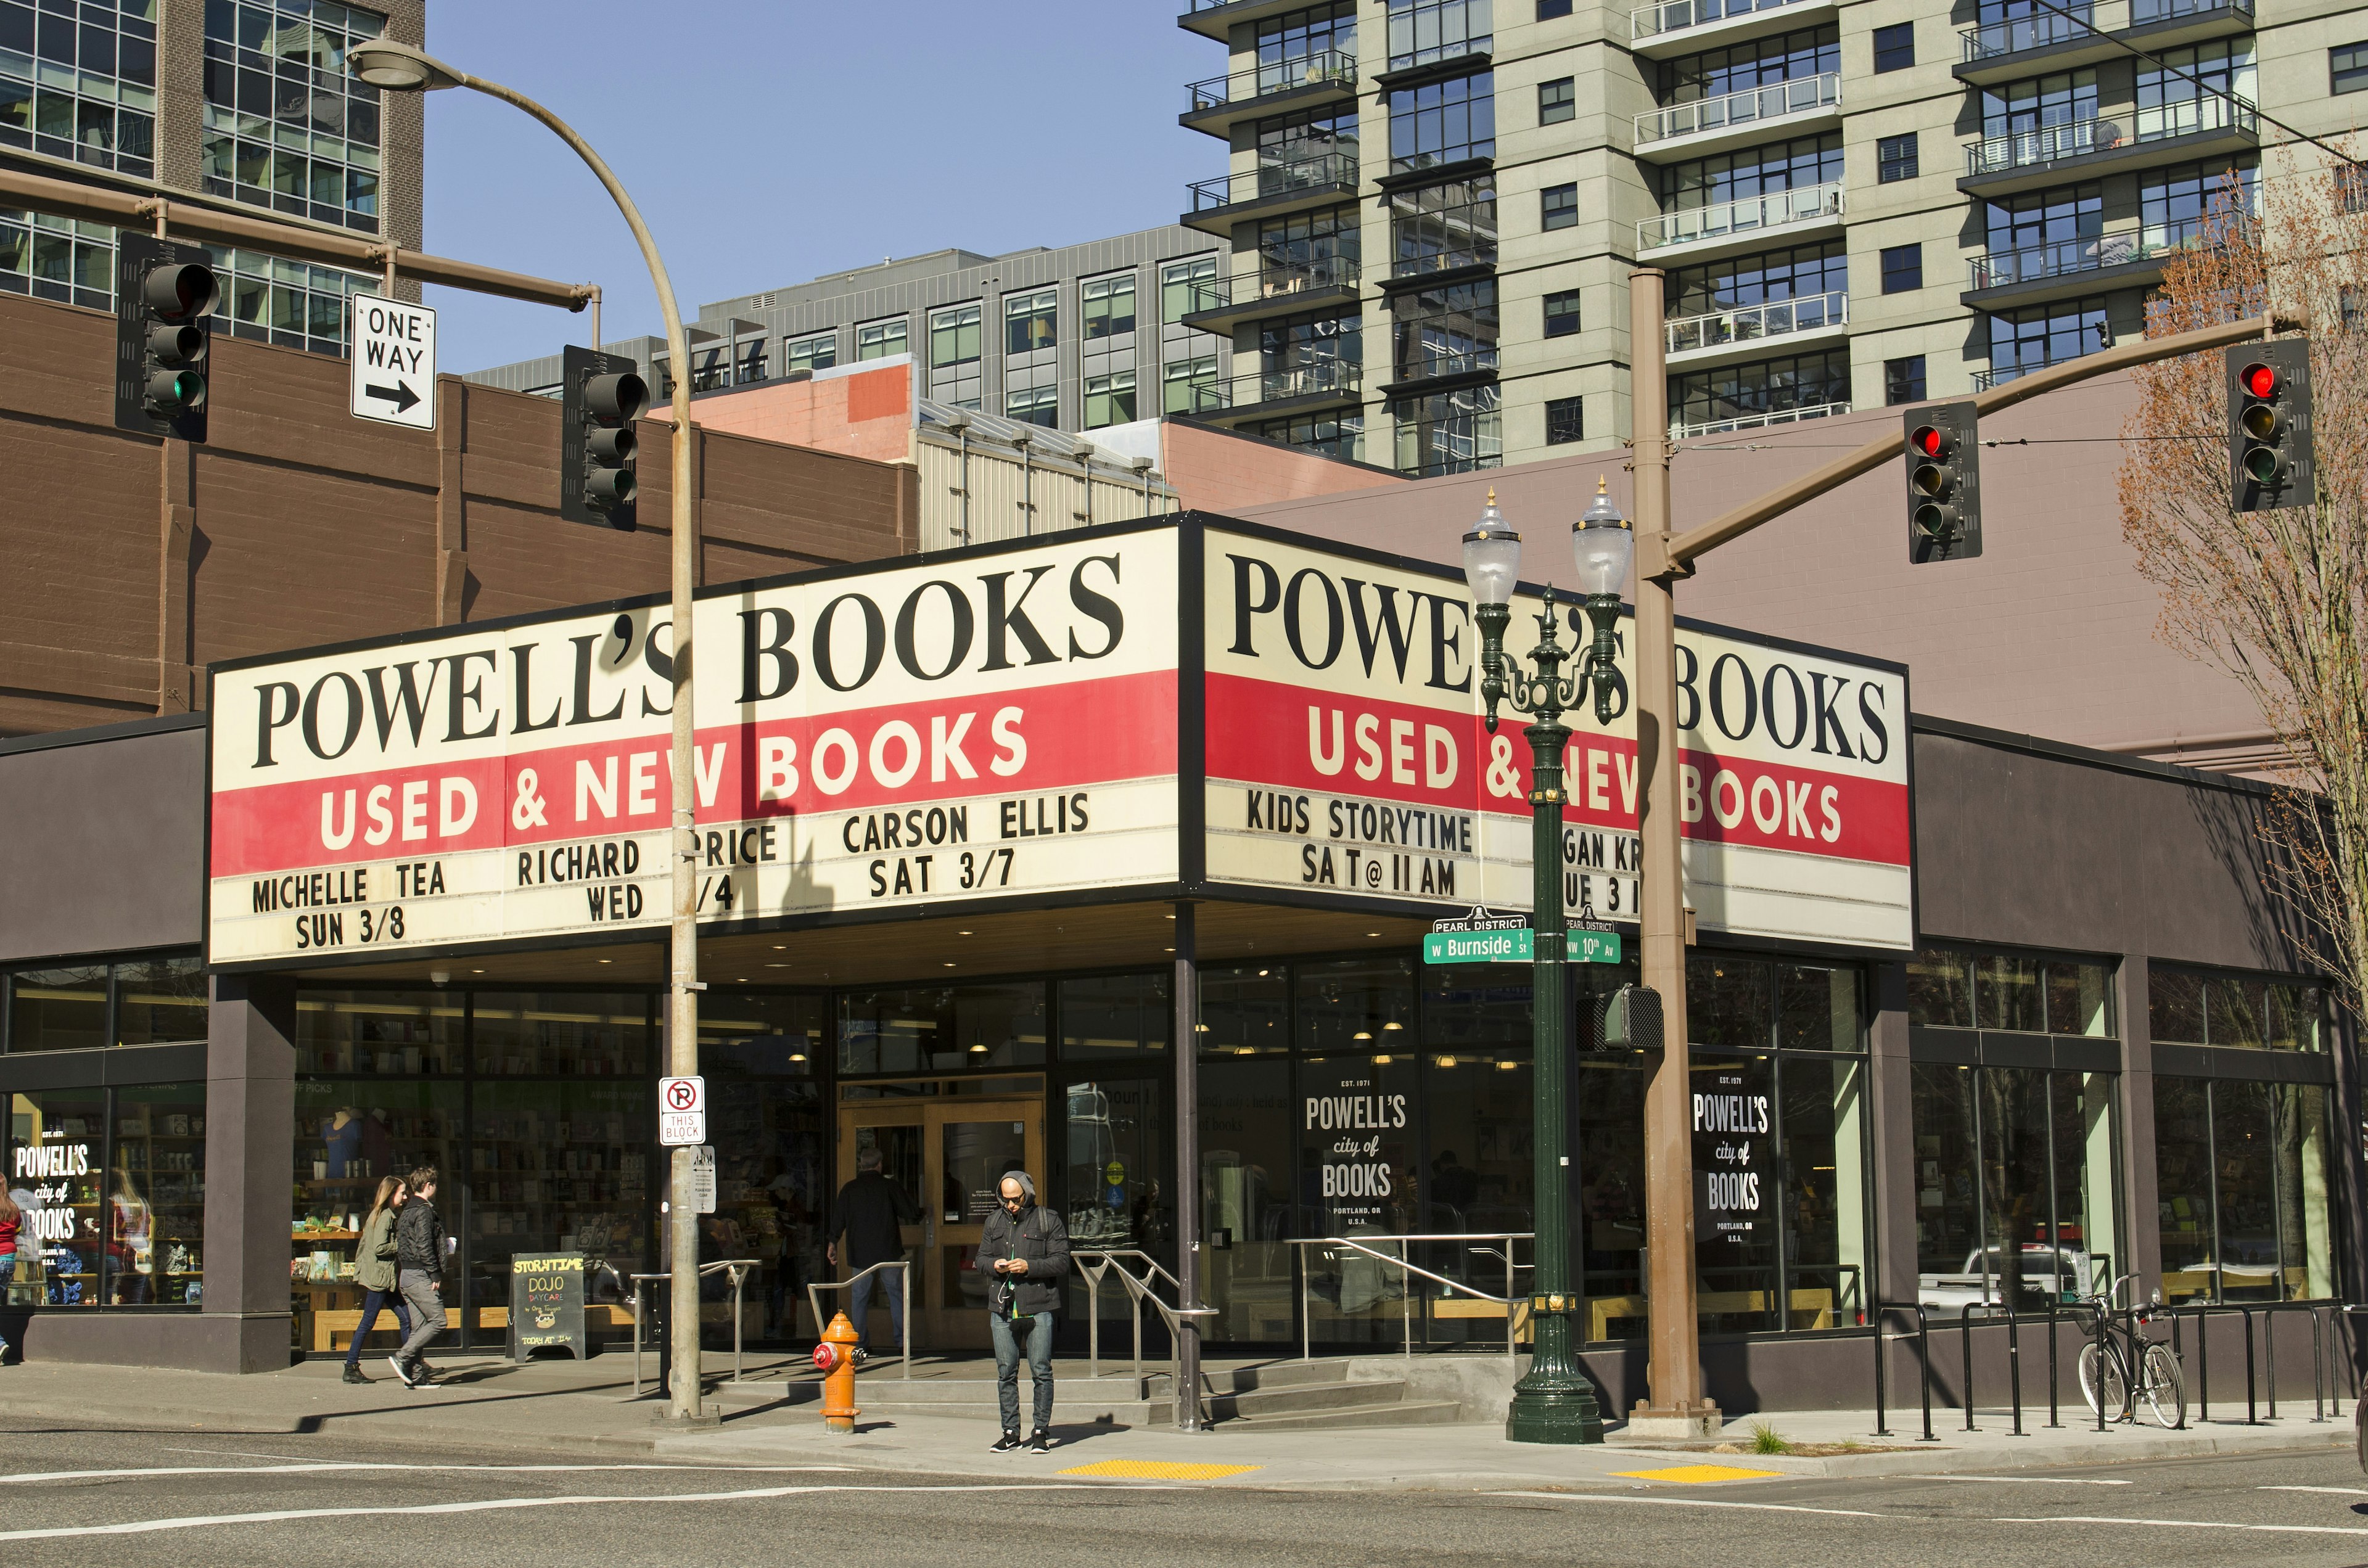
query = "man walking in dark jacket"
{"x": 868, "y": 1218}
{"x": 1024, "y": 1254}
{"x": 419, "y": 1249}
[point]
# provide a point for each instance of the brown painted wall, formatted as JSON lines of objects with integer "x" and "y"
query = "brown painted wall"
{"x": 127, "y": 564}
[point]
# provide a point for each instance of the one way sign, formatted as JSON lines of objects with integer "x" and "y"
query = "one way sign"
{"x": 395, "y": 362}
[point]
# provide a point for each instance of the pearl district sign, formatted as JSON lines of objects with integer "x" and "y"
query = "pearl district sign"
{"x": 1184, "y": 707}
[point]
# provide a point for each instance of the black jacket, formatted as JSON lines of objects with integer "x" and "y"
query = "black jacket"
{"x": 419, "y": 1237}
{"x": 869, "y": 1211}
{"x": 1037, "y": 1234}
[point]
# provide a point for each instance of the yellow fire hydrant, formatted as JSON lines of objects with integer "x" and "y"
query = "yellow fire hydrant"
{"x": 835, "y": 1357}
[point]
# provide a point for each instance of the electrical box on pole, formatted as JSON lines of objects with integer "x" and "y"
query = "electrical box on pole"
{"x": 1944, "y": 482}
{"x": 2270, "y": 460}
{"x": 602, "y": 395}
{"x": 165, "y": 294}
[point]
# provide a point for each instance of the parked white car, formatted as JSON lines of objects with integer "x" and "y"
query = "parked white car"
{"x": 2047, "y": 1274}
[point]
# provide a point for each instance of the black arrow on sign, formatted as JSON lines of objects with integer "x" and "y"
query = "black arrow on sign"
{"x": 400, "y": 395}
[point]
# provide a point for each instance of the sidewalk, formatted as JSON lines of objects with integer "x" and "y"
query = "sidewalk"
{"x": 590, "y": 1407}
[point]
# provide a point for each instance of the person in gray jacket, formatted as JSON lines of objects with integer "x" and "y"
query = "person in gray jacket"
{"x": 1024, "y": 1255}
{"x": 419, "y": 1247}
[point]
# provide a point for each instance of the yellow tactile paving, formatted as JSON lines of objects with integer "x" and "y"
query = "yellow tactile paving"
{"x": 1696, "y": 1474}
{"x": 1162, "y": 1469}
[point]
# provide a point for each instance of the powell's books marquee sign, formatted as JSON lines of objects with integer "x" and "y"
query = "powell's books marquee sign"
{"x": 1185, "y": 706}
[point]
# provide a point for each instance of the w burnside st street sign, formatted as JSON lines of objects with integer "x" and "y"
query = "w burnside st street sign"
{"x": 1483, "y": 937}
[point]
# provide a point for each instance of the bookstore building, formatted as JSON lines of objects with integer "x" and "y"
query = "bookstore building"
{"x": 2004, "y": 1020}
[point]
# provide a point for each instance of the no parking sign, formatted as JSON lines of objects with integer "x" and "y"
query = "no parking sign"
{"x": 682, "y": 1111}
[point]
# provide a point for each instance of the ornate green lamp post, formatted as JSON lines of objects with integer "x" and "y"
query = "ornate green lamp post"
{"x": 1555, "y": 1402}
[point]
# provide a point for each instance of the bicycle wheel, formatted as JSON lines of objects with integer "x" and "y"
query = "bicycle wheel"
{"x": 2164, "y": 1385}
{"x": 2099, "y": 1365}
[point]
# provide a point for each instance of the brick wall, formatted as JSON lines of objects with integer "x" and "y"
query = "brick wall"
{"x": 127, "y": 564}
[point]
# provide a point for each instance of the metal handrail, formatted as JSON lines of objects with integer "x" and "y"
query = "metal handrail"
{"x": 1647, "y": 21}
{"x": 1316, "y": 379}
{"x": 738, "y": 1267}
{"x": 1324, "y": 68}
{"x": 1271, "y": 280}
{"x": 1405, "y": 1268}
{"x": 904, "y": 1268}
{"x": 1775, "y": 209}
{"x": 1139, "y": 1291}
{"x": 1332, "y": 169}
{"x": 1751, "y": 324}
{"x": 2190, "y": 116}
{"x": 2084, "y": 252}
{"x": 2040, "y": 144}
{"x": 1797, "y": 95}
{"x": 1678, "y": 430}
{"x": 2011, "y": 35}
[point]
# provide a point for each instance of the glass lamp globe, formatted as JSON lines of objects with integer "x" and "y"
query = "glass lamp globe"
{"x": 1492, "y": 556}
{"x": 1600, "y": 543}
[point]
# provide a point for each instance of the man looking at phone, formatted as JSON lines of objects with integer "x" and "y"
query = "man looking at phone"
{"x": 1024, "y": 1254}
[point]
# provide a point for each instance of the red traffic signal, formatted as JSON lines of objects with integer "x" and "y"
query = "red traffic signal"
{"x": 2258, "y": 381}
{"x": 2270, "y": 460}
{"x": 1930, "y": 441}
{"x": 1944, "y": 497}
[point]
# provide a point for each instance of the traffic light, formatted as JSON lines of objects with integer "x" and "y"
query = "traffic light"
{"x": 2269, "y": 463}
{"x": 601, "y": 398}
{"x": 165, "y": 294}
{"x": 1944, "y": 484}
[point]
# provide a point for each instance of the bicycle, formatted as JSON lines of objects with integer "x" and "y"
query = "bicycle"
{"x": 2127, "y": 1368}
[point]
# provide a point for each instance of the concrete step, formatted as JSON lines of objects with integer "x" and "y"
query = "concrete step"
{"x": 1244, "y": 1379}
{"x": 1257, "y": 1404}
{"x": 1427, "y": 1413}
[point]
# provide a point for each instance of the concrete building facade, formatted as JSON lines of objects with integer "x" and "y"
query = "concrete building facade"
{"x": 1435, "y": 204}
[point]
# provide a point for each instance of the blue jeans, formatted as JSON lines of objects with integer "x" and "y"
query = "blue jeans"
{"x": 373, "y": 1302}
{"x": 1007, "y": 1367}
{"x": 858, "y": 1303}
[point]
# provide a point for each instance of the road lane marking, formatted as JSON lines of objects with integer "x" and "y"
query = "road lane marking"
{"x": 1696, "y": 1474}
{"x": 315, "y": 1467}
{"x": 490, "y": 1504}
{"x": 2185, "y": 1525}
{"x": 2017, "y": 1480}
{"x": 1676, "y": 1503}
{"x": 2338, "y": 1491}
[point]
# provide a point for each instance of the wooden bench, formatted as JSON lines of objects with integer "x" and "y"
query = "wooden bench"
{"x": 1605, "y": 1310}
{"x": 333, "y": 1328}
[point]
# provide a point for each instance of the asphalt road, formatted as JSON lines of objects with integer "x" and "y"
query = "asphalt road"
{"x": 83, "y": 1494}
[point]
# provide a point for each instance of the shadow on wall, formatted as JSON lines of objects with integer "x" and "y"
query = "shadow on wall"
{"x": 2246, "y": 836}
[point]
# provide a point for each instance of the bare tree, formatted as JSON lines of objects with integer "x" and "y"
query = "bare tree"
{"x": 2274, "y": 598}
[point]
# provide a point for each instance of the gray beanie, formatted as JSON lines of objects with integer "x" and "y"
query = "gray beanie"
{"x": 1027, "y": 1187}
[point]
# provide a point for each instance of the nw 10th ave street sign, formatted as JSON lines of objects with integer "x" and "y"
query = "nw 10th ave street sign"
{"x": 395, "y": 362}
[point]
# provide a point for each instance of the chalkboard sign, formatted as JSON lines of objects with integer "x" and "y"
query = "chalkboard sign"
{"x": 547, "y": 1305}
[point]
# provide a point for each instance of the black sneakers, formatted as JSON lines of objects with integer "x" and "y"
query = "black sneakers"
{"x": 1040, "y": 1442}
{"x": 400, "y": 1370}
{"x": 1005, "y": 1444}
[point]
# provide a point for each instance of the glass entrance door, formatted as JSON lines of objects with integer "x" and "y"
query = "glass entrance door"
{"x": 949, "y": 1157}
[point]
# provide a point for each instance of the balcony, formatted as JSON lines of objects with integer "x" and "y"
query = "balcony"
{"x": 1290, "y": 389}
{"x": 2025, "y": 46}
{"x": 2063, "y": 268}
{"x": 1712, "y": 125}
{"x": 2189, "y": 127}
{"x": 1272, "y": 287}
{"x": 1727, "y": 227}
{"x": 1682, "y": 26}
{"x": 1441, "y": 371}
{"x": 1679, "y": 430}
{"x": 1740, "y": 333}
{"x": 1310, "y": 81}
{"x": 1215, "y": 18}
{"x": 1271, "y": 190}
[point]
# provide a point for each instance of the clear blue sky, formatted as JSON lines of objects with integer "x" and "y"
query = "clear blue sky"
{"x": 770, "y": 140}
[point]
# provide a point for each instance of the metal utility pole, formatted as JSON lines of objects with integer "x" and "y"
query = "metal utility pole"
{"x": 400, "y": 68}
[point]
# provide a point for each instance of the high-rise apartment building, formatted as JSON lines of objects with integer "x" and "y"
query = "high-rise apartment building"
{"x": 1434, "y": 205}
{"x": 1072, "y": 338}
{"x": 239, "y": 103}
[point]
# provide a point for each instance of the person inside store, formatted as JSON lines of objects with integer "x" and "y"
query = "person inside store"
{"x": 1023, "y": 1254}
{"x": 869, "y": 1217}
{"x": 12, "y": 1220}
{"x": 420, "y": 1243}
{"x": 130, "y": 1250}
{"x": 374, "y": 1272}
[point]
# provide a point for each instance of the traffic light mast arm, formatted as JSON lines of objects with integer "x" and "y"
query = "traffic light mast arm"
{"x": 1682, "y": 550}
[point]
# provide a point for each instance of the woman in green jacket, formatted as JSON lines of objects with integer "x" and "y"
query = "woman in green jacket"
{"x": 374, "y": 1271}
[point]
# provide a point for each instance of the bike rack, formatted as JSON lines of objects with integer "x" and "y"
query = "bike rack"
{"x": 1923, "y": 1357}
{"x": 2013, "y": 1358}
{"x": 2200, "y": 1311}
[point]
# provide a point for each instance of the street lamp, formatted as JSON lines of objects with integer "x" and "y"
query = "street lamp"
{"x": 1555, "y": 1402}
{"x": 400, "y": 68}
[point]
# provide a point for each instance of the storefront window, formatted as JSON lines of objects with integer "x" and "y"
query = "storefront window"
{"x": 1113, "y": 1182}
{"x": 57, "y": 1009}
{"x": 1245, "y": 1154}
{"x": 2014, "y": 1185}
{"x": 1967, "y": 988}
{"x": 1352, "y": 1003}
{"x": 160, "y": 1000}
{"x": 555, "y": 1166}
{"x": 405, "y": 1033}
{"x": 2197, "y": 1007}
{"x": 591, "y": 1035}
{"x": 112, "y": 1183}
{"x": 351, "y": 1133}
{"x": 936, "y": 1029}
{"x": 145, "y": 1001}
{"x": 1116, "y": 1018}
{"x": 762, "y": 1056}
{"x": 2240, "y": 1177}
